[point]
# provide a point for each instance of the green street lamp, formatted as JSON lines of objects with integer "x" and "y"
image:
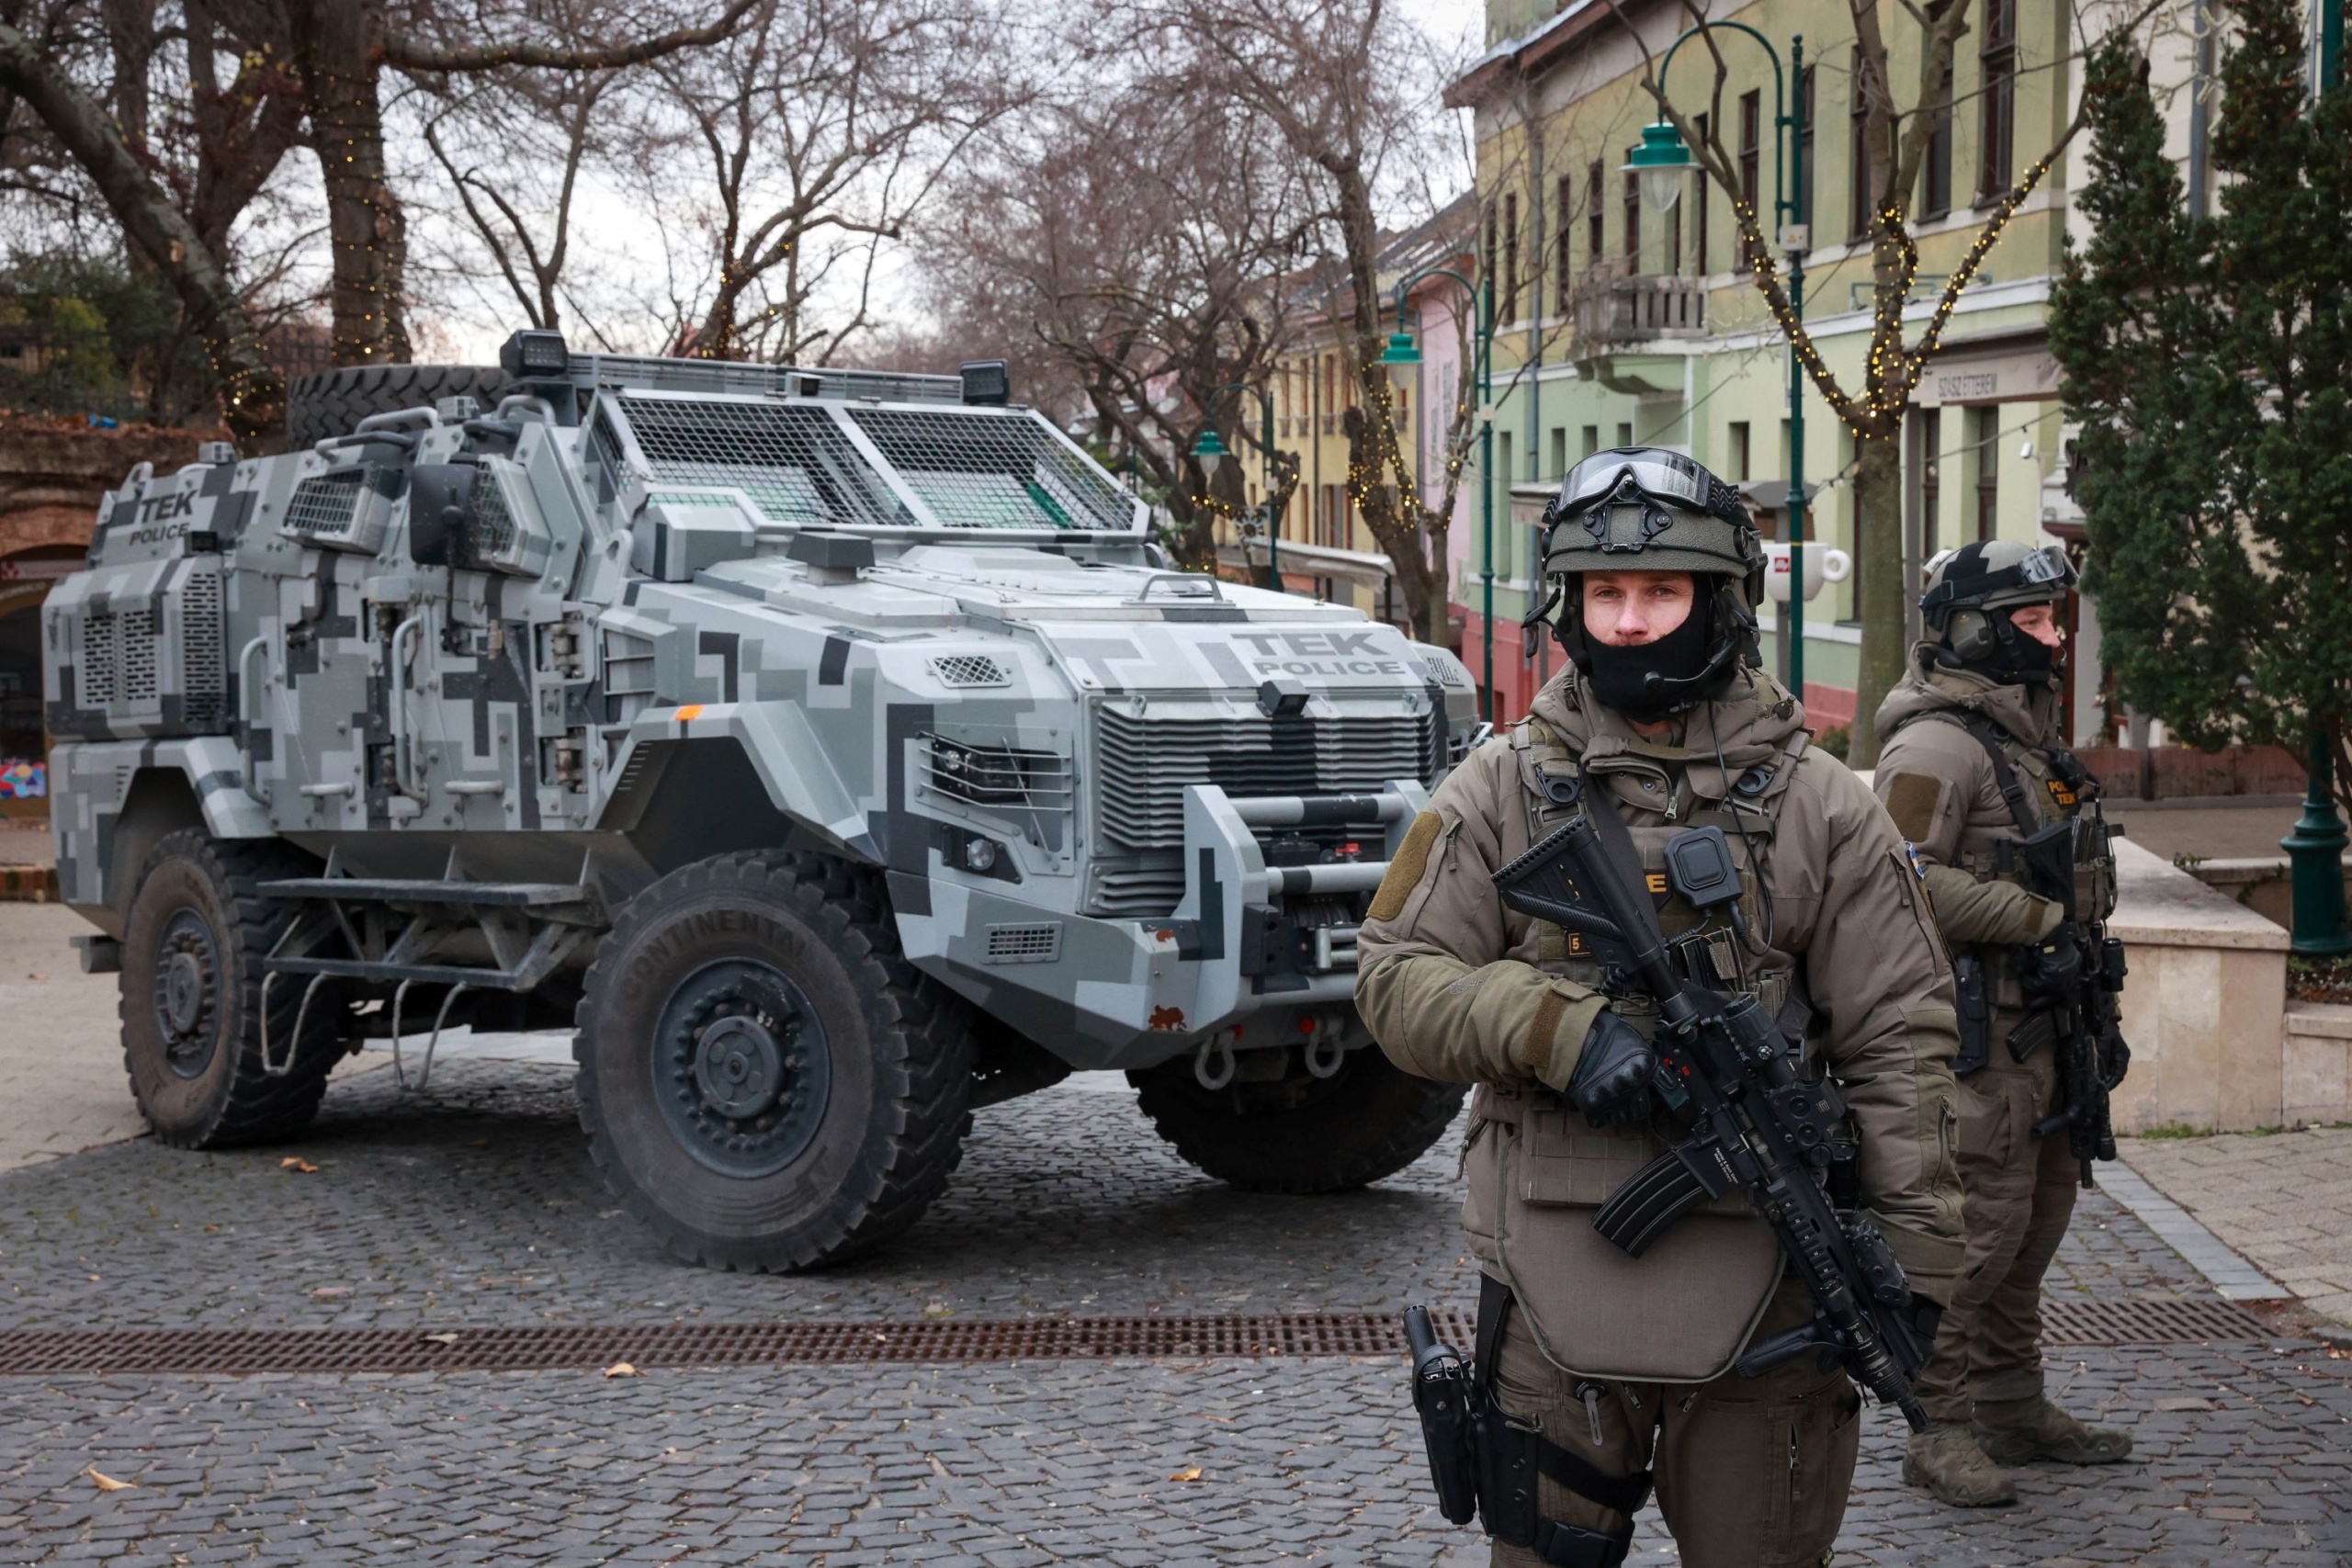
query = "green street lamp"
{"x": 1659, "y": 165}
{"x": 1660, "y": 162}
{"x": 1403, "y": 359}
{"x": 1210, "y": 452}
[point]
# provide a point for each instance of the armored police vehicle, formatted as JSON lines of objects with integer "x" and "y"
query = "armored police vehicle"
{"x": 832, "y": 748}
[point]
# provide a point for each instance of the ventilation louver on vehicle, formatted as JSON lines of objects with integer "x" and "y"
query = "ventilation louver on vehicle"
{"x": 1445, "y": 672}
{"x": 1145, "y": 763}
{"x": 1039, "y": 942}
{"x": 155, "y": 668}
{"x": 969, "y": 669}
{"x": 628, "y": 677}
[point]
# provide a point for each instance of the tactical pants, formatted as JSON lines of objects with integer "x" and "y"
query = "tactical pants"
{"x": 1751, "y": 1473}
{"x": 2018, "y": 1194}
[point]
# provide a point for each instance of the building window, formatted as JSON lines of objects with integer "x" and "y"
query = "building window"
{"x": 1625, "y": 434}
{"x": 1935, "y": 195}
{"x": 1931, "y": 480}
{"x": 1997, "y": 56}
{"x": 1805, "y": 147}
{"x": 1858, "y": 224}
{"x": 1703, "y": 198}
{"x": 1591, "y": 439}
{"x": 1594, "y": 239}
{"x": 1562, "y": 212}
{"x": 1752, "y": 151}
{"x": 1510, "y": 275}
{"x": 1633, "y": 218}
{"x": 1739, "y": 452}
{"x": 1988, "y": 470}
{"x": 1493, "y": 274}
{"x": 1560, "y": 449}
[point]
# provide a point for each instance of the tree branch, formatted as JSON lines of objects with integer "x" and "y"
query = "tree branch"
{"x": 415, "y": 54}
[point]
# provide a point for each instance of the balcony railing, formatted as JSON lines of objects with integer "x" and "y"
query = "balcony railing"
{"x": 1615, "y": 308}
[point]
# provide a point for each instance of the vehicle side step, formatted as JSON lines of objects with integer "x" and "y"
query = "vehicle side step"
{"x": 395, "y": 890}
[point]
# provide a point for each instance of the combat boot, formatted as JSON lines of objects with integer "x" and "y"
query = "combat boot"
{"x": 1946, "y": 1460}
{"x": 2014, "y": 1431}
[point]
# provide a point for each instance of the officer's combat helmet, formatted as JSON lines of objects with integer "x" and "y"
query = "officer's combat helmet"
{"x": 1647, "y": 508}
{"x": 1970, "y": 595}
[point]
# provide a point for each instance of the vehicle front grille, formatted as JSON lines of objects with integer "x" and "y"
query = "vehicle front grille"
{"x": 1143, "y": 763}
{"x": 1147, "y": 890}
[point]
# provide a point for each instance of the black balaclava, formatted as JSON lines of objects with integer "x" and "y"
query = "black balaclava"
{"x": 2016, "y": 657}
{"x": 1619, "y": 676}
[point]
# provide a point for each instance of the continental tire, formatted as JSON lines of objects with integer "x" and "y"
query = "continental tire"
{"x": 1300, "y": 1134}
{"x": 191, "y": 987}
{"x": 765, "y": 1080}
{"x": 333, "y": 402}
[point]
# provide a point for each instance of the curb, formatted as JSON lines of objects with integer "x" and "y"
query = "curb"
{"x": 28, "y": 885}
{"x": 2230, "y": 1274}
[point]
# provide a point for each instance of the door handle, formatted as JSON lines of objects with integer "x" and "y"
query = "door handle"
{"x": 245, "y": 695}
{"x": 404, "y": 753}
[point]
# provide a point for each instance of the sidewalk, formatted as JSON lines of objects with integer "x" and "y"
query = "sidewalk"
{"x": 2276, "y": 1199}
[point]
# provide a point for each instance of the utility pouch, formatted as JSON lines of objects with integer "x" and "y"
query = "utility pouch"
{"x": 1975, "y": 1015}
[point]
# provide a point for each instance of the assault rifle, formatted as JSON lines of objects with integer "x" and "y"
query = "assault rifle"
{"x": 1727, "y": 1082}
{"x": 2080, "y": 1013}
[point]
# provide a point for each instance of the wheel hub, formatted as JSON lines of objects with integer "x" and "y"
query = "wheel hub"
{"x": 742, "y": 1067}
{"x": 187, "y": 993}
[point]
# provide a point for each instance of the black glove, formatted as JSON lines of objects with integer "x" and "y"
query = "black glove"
{"x": 2114, "y": 1057}
{"x": 2050, "y": 971}
{"x": 1926, "y": 1315}
{"x": 1612, "y": 1082}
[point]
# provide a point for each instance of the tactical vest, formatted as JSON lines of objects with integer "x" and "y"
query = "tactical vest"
{"x": 2040, "y": 785}
{"x": 1536, "y": 1170}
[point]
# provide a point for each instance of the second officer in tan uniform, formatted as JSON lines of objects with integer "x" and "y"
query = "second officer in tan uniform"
{"x": 1623, "y": 1366}
{"x": 1970, "y": 761}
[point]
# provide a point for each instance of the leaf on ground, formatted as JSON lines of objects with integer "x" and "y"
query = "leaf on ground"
{"x": 442, "y": 1339}
{"x": 1192, "y": 1473}
{"x": 297, "y": 1164}
{"x": 620, "y": 1370}
{"x": 939, "y": 1309}
{"x": 36, "y": 975}
{"x": 107, "y": 1482}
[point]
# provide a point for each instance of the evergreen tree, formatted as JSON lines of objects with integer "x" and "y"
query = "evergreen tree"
{"x": 2211, "y": 364}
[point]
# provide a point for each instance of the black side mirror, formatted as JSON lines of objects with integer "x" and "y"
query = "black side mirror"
{"x": 440, "y": 498}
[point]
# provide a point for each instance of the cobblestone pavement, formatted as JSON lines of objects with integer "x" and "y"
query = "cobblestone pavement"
{"x": 2280, "y": 1198}
{"x": 60, "y": 1072}
{"x": 475, "y": 1205}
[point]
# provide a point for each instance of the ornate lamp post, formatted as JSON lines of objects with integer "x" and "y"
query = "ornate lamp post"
{"x": 1660, "y": 162}
{"x": 1403, "y": 357}
{"x": 1210, "y": 453}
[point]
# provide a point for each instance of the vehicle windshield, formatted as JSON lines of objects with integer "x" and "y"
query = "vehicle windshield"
{"x": 835, "y": 464}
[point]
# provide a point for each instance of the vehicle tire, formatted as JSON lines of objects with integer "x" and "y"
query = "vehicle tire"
{"x": 1300, "y": 1134}
{"x": 192, "y": 954}
{"x": 764, "y": 1079}
{"x": 333, "y": 402}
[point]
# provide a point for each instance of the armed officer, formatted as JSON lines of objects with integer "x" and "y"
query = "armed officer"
{"x": 1611, "y": 1373}
{"x": 1971, "y": 765}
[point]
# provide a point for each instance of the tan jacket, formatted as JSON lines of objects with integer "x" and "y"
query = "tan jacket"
{"x": 1939, "y": 787}
{"x": 1457, "y": 988}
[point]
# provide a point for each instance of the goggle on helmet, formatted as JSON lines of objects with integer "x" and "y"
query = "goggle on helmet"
{"x": 1644, "y": 508}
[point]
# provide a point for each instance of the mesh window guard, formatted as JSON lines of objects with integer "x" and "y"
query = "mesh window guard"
{"x": 1008, "y": 471}
{"x": 791, "y": 461}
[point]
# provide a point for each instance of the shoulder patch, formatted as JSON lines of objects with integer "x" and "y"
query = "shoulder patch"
{"x": 1911, "y": 801}
{"x": 1405, "y": 872}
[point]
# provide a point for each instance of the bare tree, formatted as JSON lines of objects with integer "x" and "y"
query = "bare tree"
{"x": 780, "y": 162}
{"x": 1896, "y": 141}
{"x": 1133, "y": 237}
{"x": 517, "y": 203}
{"x": 1328, "y": 79}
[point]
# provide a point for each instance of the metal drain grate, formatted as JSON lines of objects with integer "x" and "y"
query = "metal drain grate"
{"x": 2148, "y": 1322}
{"x": 237, "y": 1352}
{"x": 240, "y": 1351}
